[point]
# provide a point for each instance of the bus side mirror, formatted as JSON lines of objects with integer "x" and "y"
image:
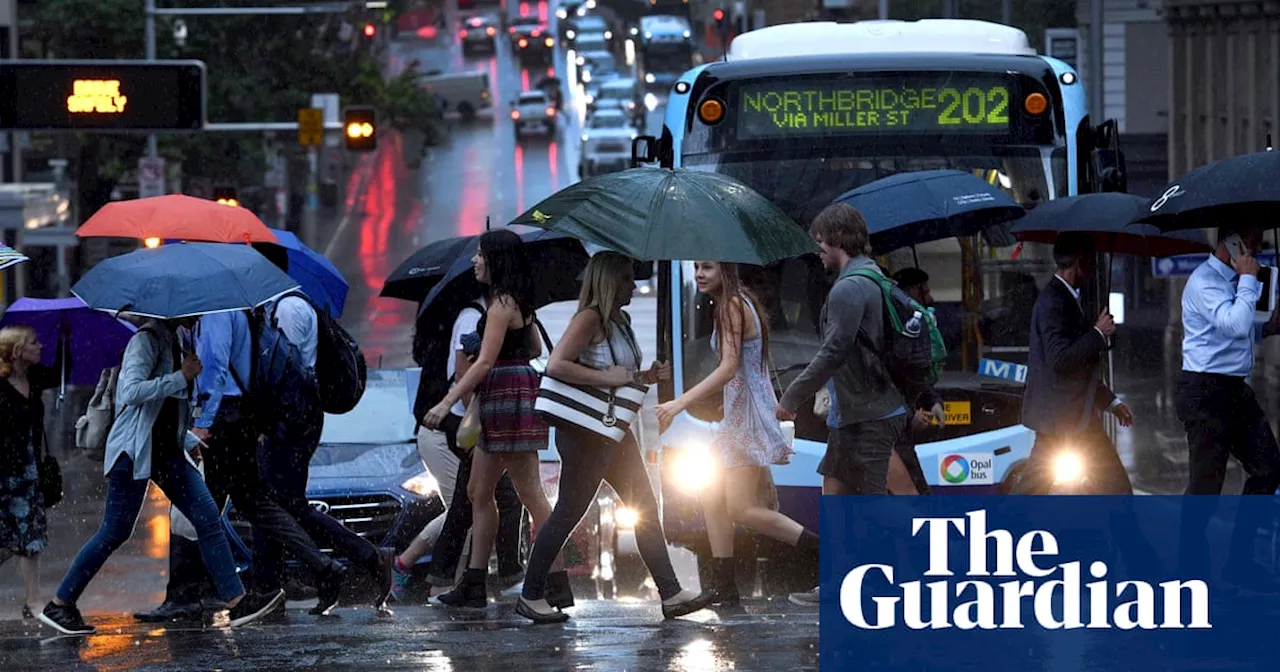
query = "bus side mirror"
{"x": 644, "y": 149}
{"x": 1107, "y": 159}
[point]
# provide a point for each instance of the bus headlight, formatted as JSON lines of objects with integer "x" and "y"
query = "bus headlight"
{"x": 1067, "y": 467}
{"x": 422, "y": 485}
{"x": 693, "y": 468}
{"x": 626, "y": 518}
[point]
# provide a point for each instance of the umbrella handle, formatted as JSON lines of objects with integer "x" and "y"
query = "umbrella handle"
{"x": 62, "y": 388}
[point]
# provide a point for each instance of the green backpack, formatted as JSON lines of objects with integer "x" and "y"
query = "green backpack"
{"x": 914, "y": 351}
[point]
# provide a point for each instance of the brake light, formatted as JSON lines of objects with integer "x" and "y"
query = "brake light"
{"x": 462, "y": 34}
{"x": 515, "y": 114}
{"x": 550, "y": 42}
{"x": 535, "y": 33}
{"x": 551, "y": 111}
{"x": 490, "y": 31}
{"x": 523, "y": 43}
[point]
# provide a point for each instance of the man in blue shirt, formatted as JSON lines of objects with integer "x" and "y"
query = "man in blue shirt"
{"x": 230, "y": 444}
{"x": 1214, "y": 400}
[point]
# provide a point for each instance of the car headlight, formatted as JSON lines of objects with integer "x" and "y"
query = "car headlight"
{"x": 649, "y": 78}
{"x": 422, "y": 485}
{"x": 608, "y": 34}
{"x": 584, "y": 137}
{"x": 570, "y": 33}
{"x": 1067, "y": 467}
{"x": 561, "y": 14}
{"x": 626, "y": 518}
{"x": 586, "y": 75}
{"x": 581, "y": 62}
{"x": 588, "y": 99}
{"x": 650, "y": 102}
{"x": 693, "y": 468}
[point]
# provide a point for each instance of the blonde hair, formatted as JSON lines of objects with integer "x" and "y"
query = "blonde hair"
{"x": 603, "y": 284}
{"x": 10, "y": 339}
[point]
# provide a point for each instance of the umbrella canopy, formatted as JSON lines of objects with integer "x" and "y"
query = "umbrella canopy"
{"x": 183, "y": 281}
{"x": 97, "y": 340}
{"x": 10, "y": 257}
{"x": 1240, "y": 190}
{"x": 917, "y": 207}
{"x": 179, "y": 217}
{"x": 558, "y": 259}
{"x": 417, "y": 275}
{"x": 1106, "y": 218}
{"x": 320, "y": 279}
{"x": 655, "y": 214}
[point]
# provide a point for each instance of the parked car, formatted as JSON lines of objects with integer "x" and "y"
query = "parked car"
{"x": 478, "y": 33}
{"x": 368, "y": 475}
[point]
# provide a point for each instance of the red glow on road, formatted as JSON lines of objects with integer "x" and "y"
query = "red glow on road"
{"x": 553, "y": 164}
{"x": 524, "y": 80}
{"x": 427, "y": 32}
{"x": 519, "y": 177}
{"x": 524, "y": 9}
{"x": 542, "y": 11}
{"x": 476, "y": 194}
{"x": 551, "y": 71}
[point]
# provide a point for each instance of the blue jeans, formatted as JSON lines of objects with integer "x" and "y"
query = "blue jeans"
{"x": 183, "y": 486}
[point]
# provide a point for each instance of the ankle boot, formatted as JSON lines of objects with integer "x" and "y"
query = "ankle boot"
{"x": 559, "y": 593}
{"x": 470, "y": 593}
{"x": 723, "y": 580}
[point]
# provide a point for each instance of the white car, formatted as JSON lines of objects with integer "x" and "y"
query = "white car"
{"x": 619, "y": 92}
{"x": 533, "y": 108}
{"x": 606, "y": 142}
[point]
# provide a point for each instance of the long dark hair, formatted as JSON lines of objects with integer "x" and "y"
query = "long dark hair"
{"x": 510, "y": 273}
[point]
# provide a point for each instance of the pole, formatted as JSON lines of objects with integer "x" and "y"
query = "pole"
{"x": 1006, "y": 12}
{"x": 152, "y": 151}
{"x": 1096, "y": 19}
{"x": 884, "y": 10}
{"x": 313, "y": 199}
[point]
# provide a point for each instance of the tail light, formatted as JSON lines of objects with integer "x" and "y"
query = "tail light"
{"x": 490, "y": 31}
{"x": 515, "y": 114}
{"x": 550, "y": 42}
{"x": 462, "y": 34}
{"x": 523, "y": 43}
{"x": 551, "y": 111}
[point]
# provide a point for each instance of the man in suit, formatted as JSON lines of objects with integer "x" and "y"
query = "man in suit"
{"x": 1065, "y": 396}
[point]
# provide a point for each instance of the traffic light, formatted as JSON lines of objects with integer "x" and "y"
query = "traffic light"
{"x": 361, "y": 129}
{"x": 719, "y": 16}
{"x": 225, "y": 196}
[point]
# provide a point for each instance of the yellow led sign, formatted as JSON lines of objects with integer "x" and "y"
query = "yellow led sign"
{"x": 96, "y": 96}
{"x": 971, "y": 104}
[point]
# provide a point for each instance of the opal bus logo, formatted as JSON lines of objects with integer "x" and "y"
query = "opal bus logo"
{"x": 1022, "y": 578}
{"x": 955, "y": 469}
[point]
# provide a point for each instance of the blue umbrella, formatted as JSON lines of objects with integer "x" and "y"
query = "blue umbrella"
{"x": 911, "y": 208}
{"x": 10, "y": 257}
{"x": 319, "y": 278}
{"x": 97, "y": 340}
{"x": 1105, "y": 217}
{"x": 184, "y": 280}
{"x": 1242, "y": 188}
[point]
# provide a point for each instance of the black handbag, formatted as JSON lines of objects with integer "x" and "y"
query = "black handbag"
{"x": 50, "y": 479}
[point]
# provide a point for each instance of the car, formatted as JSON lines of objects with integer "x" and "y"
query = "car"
{"x": 478, "y": 33}
{"x": 606, "y": 142}
{"x": 552, "y": 87}
{"x": 531, "y": 40}
{"x": 368, "y": 475}
{"x": 533, "y": 108}
{"x": 595, "y": 65}
{"x": 569, "y": 8}
{"x": 619, "y": 92}
{"x": 590, "y": 24}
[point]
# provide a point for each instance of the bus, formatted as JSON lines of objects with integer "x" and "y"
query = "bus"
{"x": 804, "y": 112}
{"x": 665, "y": 49}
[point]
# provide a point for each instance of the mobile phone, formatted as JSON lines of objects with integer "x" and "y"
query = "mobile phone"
{"x": 1235, "y": 246}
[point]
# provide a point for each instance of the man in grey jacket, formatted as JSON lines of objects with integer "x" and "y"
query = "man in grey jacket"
{"x": 868, "y": 414}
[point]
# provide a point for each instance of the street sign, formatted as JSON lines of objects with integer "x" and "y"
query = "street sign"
{"x": 150, "y": 177}
{"x": 102, "y": 95}
{"x": 1183, "y": 264}
{"x": 310, "y": 127}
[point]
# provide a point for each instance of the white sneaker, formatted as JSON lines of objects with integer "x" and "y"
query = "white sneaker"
{"x": 805, "y": 599}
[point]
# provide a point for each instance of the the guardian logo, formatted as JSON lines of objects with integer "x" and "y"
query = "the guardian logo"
{"x": 1052, "y": 594}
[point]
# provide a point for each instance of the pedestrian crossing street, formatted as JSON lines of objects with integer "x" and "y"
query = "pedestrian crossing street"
{"x": 644, "y": 321}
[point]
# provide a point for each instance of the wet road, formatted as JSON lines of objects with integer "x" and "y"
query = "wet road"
{"x": 479, "y": 172}
{"x": 606, "y": 636}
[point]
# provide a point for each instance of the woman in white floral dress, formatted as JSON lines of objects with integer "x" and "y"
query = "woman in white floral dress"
{"x": 749, "y": 439}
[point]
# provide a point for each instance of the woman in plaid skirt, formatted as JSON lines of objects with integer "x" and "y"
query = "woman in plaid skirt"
{"x": 506, "y": 387}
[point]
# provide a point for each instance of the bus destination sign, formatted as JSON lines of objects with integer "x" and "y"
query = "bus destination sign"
{"x": 908, "y": 103}
{"x": 102, "y": 95}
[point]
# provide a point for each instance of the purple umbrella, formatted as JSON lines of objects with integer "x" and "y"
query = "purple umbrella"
{"x": 97, "y": 338}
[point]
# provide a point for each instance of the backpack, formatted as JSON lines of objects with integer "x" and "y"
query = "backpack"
{"x": 914, "y": 351}
{"x": 93, "y": 428}
{"x": 432, "y": 347}
{"x": 341, "y": 372}
{"x": 281, "y": 396}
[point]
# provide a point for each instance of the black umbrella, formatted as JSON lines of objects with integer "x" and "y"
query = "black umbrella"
{"x": 414, "y": 278}
{"x": 1239, "y": 190}
{"x": 1105, "y": 217}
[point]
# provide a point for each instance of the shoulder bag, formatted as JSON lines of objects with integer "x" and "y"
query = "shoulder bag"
{"x": 607, "y": 412}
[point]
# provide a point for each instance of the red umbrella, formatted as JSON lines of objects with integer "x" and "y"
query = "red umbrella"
{"x": 177, "y": 217}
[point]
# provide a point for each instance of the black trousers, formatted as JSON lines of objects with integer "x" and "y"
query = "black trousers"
{"x": 231, "y": 468}
{"x": 1222, "y": 418}
{"x": 906, "y": 450}
{"x": 453, "y": 535}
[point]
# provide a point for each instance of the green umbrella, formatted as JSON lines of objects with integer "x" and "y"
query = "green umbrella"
{"x": 656, "y": 214}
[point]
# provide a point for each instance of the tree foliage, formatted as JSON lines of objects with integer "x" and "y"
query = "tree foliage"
{"x": 259, "y": 68}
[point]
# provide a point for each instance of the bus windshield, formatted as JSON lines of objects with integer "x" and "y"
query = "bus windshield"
{"x": 792, "y": 292}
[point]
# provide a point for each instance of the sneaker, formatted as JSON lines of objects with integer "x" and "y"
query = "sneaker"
{"x": 684, "y": 603}
{"x": 330, "y": 588}
{"x": 297, "y": 591}
{"x": 255, "y": 606}
{"x": 65, "y": 619}
{"x": 805, "y": 599}
{"x": 399, "y": 580}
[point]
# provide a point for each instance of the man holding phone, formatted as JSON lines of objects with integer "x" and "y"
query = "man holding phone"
{"x": 1214, "y": 401}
